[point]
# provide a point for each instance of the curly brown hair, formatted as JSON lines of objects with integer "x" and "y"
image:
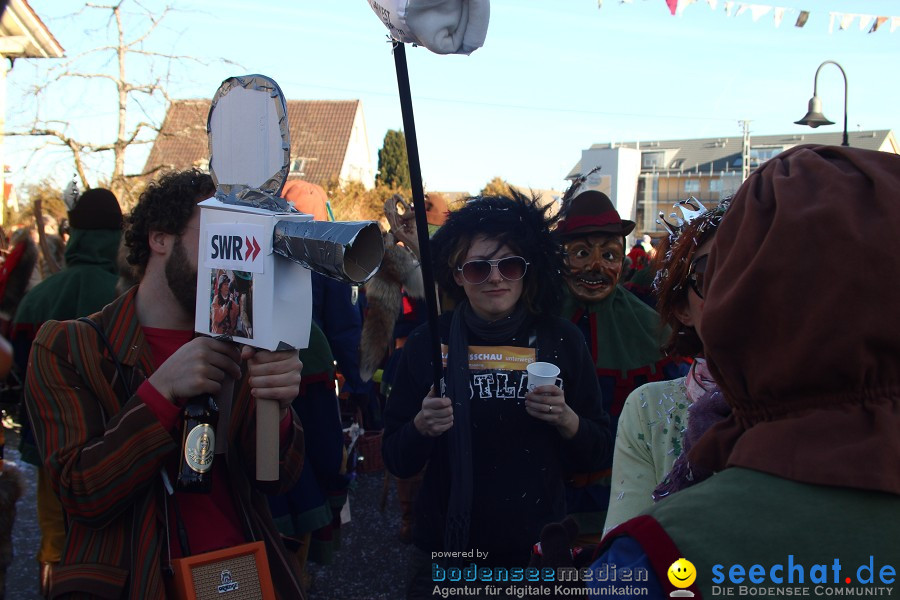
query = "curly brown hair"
{"x": 671, "y": 284}
{"x": 166, "y": 205}
{"x": 517, "y": 221}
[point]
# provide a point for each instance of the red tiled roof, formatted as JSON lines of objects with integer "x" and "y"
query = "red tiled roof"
{"x": 320, "y": 133}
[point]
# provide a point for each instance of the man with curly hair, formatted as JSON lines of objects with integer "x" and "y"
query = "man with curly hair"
{"x": 107, "y": 416}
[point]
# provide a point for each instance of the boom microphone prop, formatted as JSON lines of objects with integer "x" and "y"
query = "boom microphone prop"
{"x": 253, "y": 278}
{"x": 444, "y": 27}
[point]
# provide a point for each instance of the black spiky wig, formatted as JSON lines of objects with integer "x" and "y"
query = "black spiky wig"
{"x": 516, "y": 221}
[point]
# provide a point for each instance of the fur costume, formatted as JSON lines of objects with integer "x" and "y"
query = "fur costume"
{"x": 399, "y": 271}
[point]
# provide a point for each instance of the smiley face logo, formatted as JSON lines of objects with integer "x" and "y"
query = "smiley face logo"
{"x": 682, "y": 573}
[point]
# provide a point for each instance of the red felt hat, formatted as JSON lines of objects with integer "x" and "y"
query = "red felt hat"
{"x": 592, "y": 212}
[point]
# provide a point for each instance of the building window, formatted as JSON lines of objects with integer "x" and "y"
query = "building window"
{"x": 692, "y": 186}
{"x": 760, "y": 155}
{"x": 715, "y": 186}
{"x": 298, "y": 165}
{"x": 653, "y": 160}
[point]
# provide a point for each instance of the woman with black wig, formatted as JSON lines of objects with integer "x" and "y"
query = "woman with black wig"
{"x": 496, "y": 454}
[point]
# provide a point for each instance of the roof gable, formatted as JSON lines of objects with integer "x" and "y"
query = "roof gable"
{"x": 320, "y": 134}
{"x": 24, "y": 35}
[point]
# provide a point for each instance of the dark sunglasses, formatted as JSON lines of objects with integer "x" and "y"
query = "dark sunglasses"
{"x": 695, "y": 274}
{"x": 511, "y": 268}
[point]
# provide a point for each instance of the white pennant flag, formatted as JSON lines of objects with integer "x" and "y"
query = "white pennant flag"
{"x": 742, "y": 8}
{"x": 864, "y": 21}
{"x": 831, "y": 21}
{"x": 846, "y": 21}
{"x": 683, "y": 4}
{"x": 729, "y": 4}
{"x": 713, "y": 3}
{"x": 758, "y": 10}
{"x": 895, "y": 23}
{"x": 779, "y": 15}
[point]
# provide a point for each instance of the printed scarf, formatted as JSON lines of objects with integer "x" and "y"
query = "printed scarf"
{"x": 465, "y": 321}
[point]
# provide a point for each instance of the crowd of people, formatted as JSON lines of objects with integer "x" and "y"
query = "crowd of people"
{"x": 725, "y": 408}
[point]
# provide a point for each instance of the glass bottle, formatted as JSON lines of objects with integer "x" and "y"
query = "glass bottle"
{"x": 198, "y": 445}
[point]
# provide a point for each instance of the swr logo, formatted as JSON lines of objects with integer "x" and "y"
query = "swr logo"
{"x": 231, "y": 247}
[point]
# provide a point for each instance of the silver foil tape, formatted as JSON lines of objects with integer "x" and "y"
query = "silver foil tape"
{"x": 346, "y": 251}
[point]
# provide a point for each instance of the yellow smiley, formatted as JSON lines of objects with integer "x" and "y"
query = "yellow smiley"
{"x": 682, "y": 573}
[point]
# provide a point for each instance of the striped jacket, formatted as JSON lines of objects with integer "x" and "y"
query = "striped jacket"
{"x": 105, "y": 452}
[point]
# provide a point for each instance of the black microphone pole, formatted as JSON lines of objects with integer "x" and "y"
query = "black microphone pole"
{"x": 418, "y": 192}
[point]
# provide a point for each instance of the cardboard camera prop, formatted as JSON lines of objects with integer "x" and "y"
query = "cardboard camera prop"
{"x": 253, "y": 278}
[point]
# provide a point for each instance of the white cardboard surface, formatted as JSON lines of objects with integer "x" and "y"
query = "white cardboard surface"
{"x": 280, "y": 313}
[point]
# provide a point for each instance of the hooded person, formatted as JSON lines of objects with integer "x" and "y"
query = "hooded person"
{"x": 809, "y": 366}
{"x": 623, "y": 333}
{"x": 84, "y": 286}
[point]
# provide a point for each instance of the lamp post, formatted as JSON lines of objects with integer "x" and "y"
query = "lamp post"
{"x": 814, "y": 116}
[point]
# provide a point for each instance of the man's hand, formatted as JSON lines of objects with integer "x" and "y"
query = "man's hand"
{"x": 436, "y": 415}
{"x": 273, "y": 375}
{"x": 198, "y": 367}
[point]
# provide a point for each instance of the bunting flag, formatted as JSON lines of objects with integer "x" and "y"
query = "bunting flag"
{"x": 864, "y": 21}
{"x": 683, "y": 4}
{"x": 758, "y": 11}
{"x": 779, "y": 15}
{"x": 878, "y": 23}
{"x": 846, "y": 21}
{"x": 867, "y": 22}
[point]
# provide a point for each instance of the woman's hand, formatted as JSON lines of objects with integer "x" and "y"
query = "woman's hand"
{"x": 436, "y": 415}
{"x": 548, "y": 403}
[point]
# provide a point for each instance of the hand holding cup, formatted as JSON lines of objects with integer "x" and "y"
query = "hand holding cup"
{"x": 545, "y": 399}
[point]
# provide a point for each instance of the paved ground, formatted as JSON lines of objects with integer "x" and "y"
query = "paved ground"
{"x": 22, "y": 576}
{"x": 371, "y": 564}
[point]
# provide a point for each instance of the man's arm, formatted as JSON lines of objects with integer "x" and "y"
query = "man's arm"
{"x": 101, "y": 456}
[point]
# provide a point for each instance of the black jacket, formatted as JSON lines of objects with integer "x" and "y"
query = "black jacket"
{"x": 519, "y": 463}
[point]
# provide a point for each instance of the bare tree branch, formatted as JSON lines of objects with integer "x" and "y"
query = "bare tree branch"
{"x": 117, "y": 45}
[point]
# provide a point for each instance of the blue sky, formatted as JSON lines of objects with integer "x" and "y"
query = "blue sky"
{"x": 552, "y": 78}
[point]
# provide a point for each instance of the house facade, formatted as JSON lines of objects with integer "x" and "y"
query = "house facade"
{"x": 646, "y": 178}
{"x": 329, "y": 141}
{"x": 22, "y": 35}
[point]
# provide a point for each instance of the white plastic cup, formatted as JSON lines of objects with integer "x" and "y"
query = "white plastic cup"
{"x": 542, "y": 373}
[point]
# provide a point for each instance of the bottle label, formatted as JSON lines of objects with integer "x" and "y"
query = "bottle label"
{"x": 199, "y": 446}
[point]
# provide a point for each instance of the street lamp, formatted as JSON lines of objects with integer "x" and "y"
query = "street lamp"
{"x": 814, "y": 116}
